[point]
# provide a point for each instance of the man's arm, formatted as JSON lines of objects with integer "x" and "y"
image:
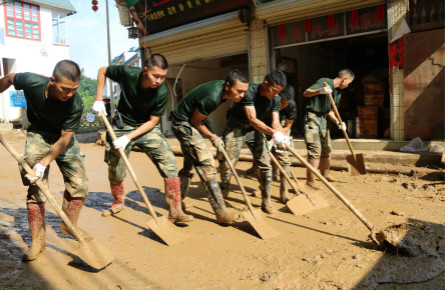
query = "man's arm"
{"x": 256, "y": 123}
{"x": 6, "y": 82}
{"x": 101, "y": 78}
{"x": 332, "y": 116}
{"x": 287, "y": 125}
{"x": 196, "y": 121}
{"x": 276, "y": 122}
{"x": 57, "y": 148}
{"x": 144, "y": 128}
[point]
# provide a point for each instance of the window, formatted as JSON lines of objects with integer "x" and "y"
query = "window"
{"x": 59, "y": 27}
{"x": 22, "y": 20}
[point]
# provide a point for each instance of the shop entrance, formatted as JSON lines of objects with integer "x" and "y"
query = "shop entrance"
{"x": 366, "y": 100}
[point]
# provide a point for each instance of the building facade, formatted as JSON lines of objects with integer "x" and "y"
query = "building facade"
{"x": 33, "y": 38}
{"x": 398, "y": 78}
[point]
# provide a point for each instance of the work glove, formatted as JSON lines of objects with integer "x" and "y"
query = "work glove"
{"x": 98, "y": 106}
{"x": 280, "y": 139}
{"x": 341, "y": 126}
{"x": 325, "y": 90}
{"x": 217, "y": 142}
{"x": 121, "y": 142}
{"x": 39, "y": 171}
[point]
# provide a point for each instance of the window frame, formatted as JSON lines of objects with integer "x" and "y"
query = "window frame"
{"x": 58, "y": 27}
{"x": 23, "y": 20}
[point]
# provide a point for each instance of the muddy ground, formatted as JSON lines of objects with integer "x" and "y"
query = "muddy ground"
{"x": 324, "y": 249}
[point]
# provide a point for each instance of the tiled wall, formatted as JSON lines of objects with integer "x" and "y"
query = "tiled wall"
{"x": 258, "y": 50}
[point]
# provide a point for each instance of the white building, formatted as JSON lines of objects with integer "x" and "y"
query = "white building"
{"x": 33, "y": 38}
{"x": 131, "y": 57}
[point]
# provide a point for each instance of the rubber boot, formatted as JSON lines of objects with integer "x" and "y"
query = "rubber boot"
{"x": 284, "y": 186}
{"x": 266, "y": 192}
{"x": 173, "y": 200}
{"x": 325, "y": 169}
{"x": 310, "y": 181}
{"x": 36, "y": 221}
{"x": 72, "y": 206}
{"x": 117, "y": 190}
{"x": 223, "y": 214}
{"x": 185, "y": 185}
{"x": 225, "y": 186}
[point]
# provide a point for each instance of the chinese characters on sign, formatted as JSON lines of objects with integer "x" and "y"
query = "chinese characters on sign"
{"x": 156, "y": 16}
{"x": 17, "y": 99}
{"x": 395, "y": 57}
{"x": 329, "y": 26}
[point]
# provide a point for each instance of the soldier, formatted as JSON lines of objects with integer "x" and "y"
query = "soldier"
{"x": 188, "y": 126}
{"x": 142, "y": 102}
{"x": 245, "y": 125}
{"x": 54, "y": 111}
{"x": 316, "y": 132}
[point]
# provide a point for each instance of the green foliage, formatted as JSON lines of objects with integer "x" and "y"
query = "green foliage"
{"x": 87, "y": 90}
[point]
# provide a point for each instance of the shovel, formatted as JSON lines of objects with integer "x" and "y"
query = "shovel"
{"x": 356, "y": 165}
{"x": 253, "y": 216}
{"x": 302, "y": 203}
{"x": 161, "y": 226}
{"x": 91, "y": 252}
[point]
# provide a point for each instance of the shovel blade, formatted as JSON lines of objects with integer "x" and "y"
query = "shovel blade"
{"x": 94, "y": 254}
{"x": 256, "y": 219}
{"x": 300, "y": 204}
{"x": 356, "y": 166}
{"x": 166, "y": 230}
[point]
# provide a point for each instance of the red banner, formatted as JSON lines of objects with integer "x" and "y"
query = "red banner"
{"x": 395, "y": 57}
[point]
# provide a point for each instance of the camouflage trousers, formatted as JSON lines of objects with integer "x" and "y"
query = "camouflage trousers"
{"x": 153, "y": 143}
{"x": 197, "y": 152}
{"x": 317, "y": 137}
{"x": 234, "y": 139}
{"x": 70, "y": 163}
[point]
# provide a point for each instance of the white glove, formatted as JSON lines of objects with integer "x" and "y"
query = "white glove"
{"x": 121, "y": 142}
{"x": 325, "y": 90}
{"x": 341, "y": 126}
{"x": 98, "y": 106}
{"x": 39, "y": 171}
{"x": 281, "y": 139}
{"x": 217, "y": 142}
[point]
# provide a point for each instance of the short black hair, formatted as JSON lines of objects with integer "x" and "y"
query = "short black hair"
{"x": 236, "y": 75}
{"x": 288, "y": 92}
{"x": 67, "y": 69}
{"x": 276, "y": 77}
{"x": 346, "y": 73}
{"x": 156, "y": 59}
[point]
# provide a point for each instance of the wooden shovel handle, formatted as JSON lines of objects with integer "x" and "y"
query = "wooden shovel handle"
{"x": 45, "y": 191}
{"x": 130, "y": 169}
{"x": 332, "y": 188}
{"x": 246, "y": 198}
{"x": 339, "y": 119}
{"x": 283, "y": 172}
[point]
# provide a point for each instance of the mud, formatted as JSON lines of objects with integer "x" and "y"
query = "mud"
{"x": 323, "y": 249}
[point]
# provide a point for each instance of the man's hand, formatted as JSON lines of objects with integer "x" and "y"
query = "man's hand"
{"x": 217, "y": 142}
{"x": 39, "y": 171}
{"x": 121, "y": 142}
{"x": 98, "y": 106}
{"x": 280, "y": 139}
{"x": 325, "y": 90}
{"x": 341, "y": 126}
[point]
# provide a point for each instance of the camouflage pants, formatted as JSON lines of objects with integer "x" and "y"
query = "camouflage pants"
{"x": 317, "y": 137}
{"x": 196, "y": 152}
{"x": 70, "y": 163}
{"x": 234, "y": 139}
{"x": 153, "y": 143}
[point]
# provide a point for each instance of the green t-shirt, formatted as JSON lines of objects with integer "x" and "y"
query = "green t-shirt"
{"x": 290, "y": 112}
{"x": 206, "y": 98}
{"x": 136, "y": 104}
{"x": 321, "y": 103}
{"x": 44, "y": 114}
{"x": 263, "y": 106}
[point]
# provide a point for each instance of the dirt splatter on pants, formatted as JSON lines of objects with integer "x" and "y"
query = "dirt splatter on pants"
{"x": 153, "y": 143}
{"x": 70, "y": 163}
{"x": 234, "y": 138}
{"x": 317, "y": 137}
{"x": 196, "y": 152}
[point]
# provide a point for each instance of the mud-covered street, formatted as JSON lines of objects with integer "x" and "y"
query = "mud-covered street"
{"x": 324, "y": 249}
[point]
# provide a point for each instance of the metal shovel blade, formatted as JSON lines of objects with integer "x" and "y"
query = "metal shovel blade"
{"x": 94, "y": 254}
{"x": 302, "y": 204}
{"x": 166, "y": 230}
{"x": 356, "y": 166}
{"x": 256, "y": 219}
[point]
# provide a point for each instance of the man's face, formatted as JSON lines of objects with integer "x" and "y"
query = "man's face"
{"x": 284, "y": 103}
{"x": 63, "y": 89}
{"x": 271, "y": 90}
{"x": 345, "y": 82}
{"x": 236, "y": 92}
{"x": 154, "y": 76}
